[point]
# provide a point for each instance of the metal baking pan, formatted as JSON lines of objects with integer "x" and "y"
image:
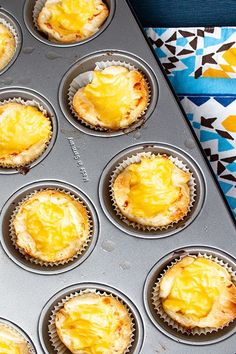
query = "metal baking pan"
{"x": 120, "y": 259}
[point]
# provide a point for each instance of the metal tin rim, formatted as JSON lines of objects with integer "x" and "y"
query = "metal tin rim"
{"x": 29, "y": 94}
{"x": 148, "y": 285}
{"x": 123, "y": 56}
{"x": 9, "y": 18}
{"x": 46, "y": 311}
{"x": 23, "y": 263}
{"x": 34, "y": 32}
{"x": 105, "y": 200}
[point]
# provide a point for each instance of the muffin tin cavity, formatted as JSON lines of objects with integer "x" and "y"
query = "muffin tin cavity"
{"x": 88, "y": 64}
{"x": 154, "y": 148}
{"x": 28, "y": 95}
{"x": 29, "y": 21}
{"x": 155, "y": 273}
{"x": 12, "y": 325}
{"x": 10, "y": 22}
{"x": 47, "y": 311}
{"x": 25, "y": 262}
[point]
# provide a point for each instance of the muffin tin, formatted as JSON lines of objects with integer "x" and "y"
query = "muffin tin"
{"x": 79, "y": 160}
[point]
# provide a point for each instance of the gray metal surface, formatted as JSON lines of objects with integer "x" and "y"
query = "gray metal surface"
{"x": 118, "y": 260}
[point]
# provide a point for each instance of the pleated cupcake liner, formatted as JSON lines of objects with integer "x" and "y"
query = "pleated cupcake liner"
{"x": 55, "y": 340}
{"x": 86, "y": 78}
{"x": 136, "y": 159}
{"x": 42, "y": 263}
{"x": 157, "y": 301}
{"x": 38, "y": 6}
{"x": 32, "y": 103}
{"x": 30, "y": 348}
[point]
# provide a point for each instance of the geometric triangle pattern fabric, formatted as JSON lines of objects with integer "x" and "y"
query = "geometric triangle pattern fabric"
{"x": 220, "y": 151}
{"x": 198, "y": 54}
{"x": 201, "y": 65}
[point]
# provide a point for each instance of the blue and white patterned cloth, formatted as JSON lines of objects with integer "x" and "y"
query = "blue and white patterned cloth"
{"x": 201, "y": 65}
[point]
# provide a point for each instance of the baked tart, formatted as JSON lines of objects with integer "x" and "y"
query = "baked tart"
{"x": 7, "y": 45}
{"x": 12, "y": 342}
{"x": 115, "y": 98}
{"x": 69, "y": 21}
{"x": 198, "y": 292}
{"x": 91, "y": 323}
{"x": 25, "y": 132}
{"x": 51, "y": 226}
{"x": 152, "y": 192}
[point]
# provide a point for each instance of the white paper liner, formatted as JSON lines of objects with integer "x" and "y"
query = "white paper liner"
{"x": 15, "y": 34}
{"x": 32, "y": 103}
{"x": 38, "y": 6}
{"x": 156, "y": 301}
{"x": 86, "y": 78}
{"x": 29, "y": 345}
{"x": 136, "y": 159}
{"x": 39, "y": 262}
{"x": 57, "y": 344}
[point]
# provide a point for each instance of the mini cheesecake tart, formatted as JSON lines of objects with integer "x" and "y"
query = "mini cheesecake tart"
{"x": 152, "y": 192}
{"x": 114, "y": 99}
{"x": 198, "y": 292}
{"x": 51, "y": 226}
{"x": 93, "y": 324}
{"x": 24, "y": 134}
{"x": 12, "y": 342}
{"x": 69, "y": 21}
{"x": 7, "y": 45}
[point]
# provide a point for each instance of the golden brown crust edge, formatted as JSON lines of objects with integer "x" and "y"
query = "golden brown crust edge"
{"x": 11, "y": 48}
{"x": 126, "y": 323}
{"x": 140, "y": 93}
{"x": 25, "y": 242}
{"x": 176, "y": 212}
{"x": 16, "y": 337}
{"x": 28, "y": 155}
{"x": 222, "y": 312}
{"x": 89, "y": 29}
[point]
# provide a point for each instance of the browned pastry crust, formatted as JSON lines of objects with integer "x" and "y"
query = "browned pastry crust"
{"x": 175, "y": 212}
{"x": 9, "y": 46}
{"x": 139, "y": 95}
{"x": 114, "y": 337}
{"x": 90, "y": 28}
{"x": 12, "y": 336}
{"x": 223, "y": 309}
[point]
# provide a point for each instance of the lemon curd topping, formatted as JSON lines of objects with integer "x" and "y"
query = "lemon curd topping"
{"x": 151, "y": 186}
{"x": 10, "y": 342}
{"x": 6, "y": 37}
{"x": 54, "y": 221}
{"x": 111, "y": 96}
{"x": 8, "y": 346}
{"x": 21, "y": 127}
{"x": 94, "y": 325}
{"x": 69, "y": 16}
{"x": 196, "y": 288}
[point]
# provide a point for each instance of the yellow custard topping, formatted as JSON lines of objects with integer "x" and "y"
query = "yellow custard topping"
{"x": 111, "y": 96}
{"x": 69, "y": 16}
{"x": 56, "y": 224}
{"x": 6, "y": 37}
{"x": 21, "y": 127}
{"x": 9, "y": 347}
{"x": 195, "y": 288}
{"x": 151, "y": 186}
{"x": 94, "y": 324}
{"x": 11, "y": 342}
